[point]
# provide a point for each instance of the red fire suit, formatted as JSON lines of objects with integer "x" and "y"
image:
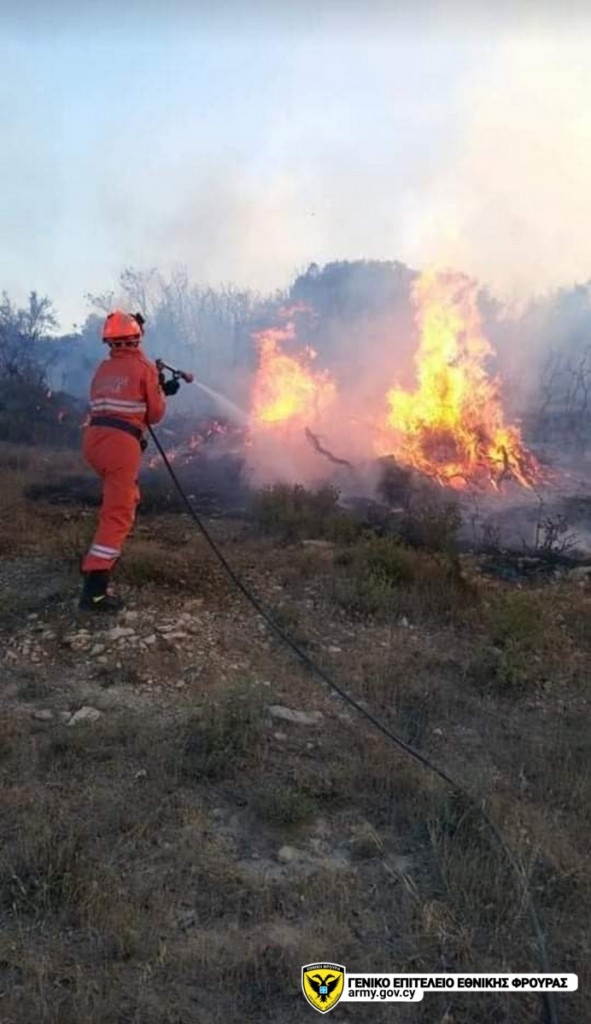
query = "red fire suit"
{"x": 125, "y": 388}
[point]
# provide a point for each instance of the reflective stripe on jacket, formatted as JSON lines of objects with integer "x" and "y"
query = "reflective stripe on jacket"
{"x": 126, "y": 386}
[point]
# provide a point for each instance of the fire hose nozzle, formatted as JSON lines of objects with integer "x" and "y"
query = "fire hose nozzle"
{"x": 183, "y": 374}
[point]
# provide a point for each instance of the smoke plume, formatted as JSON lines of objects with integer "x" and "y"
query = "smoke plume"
{"x": 511, "y": 205}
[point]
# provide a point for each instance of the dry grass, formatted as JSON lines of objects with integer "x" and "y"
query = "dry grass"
{"x": 187, "y": 568}
{"x": 139, "y": 875}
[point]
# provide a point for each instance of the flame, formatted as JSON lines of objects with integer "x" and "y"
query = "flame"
{"x": 196, "y": 441}
{"x": 452, "y": 426}
{"x": 286, "y": 388}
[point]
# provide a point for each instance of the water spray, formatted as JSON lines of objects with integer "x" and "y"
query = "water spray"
{"x": 189, "y": 378}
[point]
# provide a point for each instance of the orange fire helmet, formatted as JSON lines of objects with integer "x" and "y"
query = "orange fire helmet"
{"x": 121, "y": 327}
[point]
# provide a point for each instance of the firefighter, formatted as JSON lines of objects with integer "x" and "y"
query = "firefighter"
{"x": 126, "y": 395}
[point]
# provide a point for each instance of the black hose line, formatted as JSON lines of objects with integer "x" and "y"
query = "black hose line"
{"x": 549, "y": 1002}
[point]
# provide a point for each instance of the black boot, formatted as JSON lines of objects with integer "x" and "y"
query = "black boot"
{"x": 95, "y": 596}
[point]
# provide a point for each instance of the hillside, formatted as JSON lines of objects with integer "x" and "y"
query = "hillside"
{"x": 189, "y": 817}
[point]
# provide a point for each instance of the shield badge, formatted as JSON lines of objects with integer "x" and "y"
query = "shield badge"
{"x": 323, "y": 985}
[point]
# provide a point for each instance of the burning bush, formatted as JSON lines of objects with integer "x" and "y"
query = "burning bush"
{"x": 452, "y": 427}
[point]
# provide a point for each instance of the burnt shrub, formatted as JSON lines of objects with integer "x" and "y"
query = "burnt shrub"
{"x": 31, "y": 414}
{"x": 433, "y": 527}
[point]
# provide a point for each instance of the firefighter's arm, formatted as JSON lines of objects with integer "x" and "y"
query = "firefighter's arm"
{"x": 155, "y": 400}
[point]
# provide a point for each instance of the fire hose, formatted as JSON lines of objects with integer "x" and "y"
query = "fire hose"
{"x": 548, "y": 998}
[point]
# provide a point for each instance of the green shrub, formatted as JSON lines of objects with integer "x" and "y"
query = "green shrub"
{"x": 371, "y": 569}
{"x": 293, "y": 513}
{"x": 385, "y": 559}
{"x": 494, "y": 668}
{"x": 519, "y": 619}
{"x": 229, "y": 736}
{"x": 279, "y": 803}
{"x": 527, "y": 643}
{"x": 382, "y": 576}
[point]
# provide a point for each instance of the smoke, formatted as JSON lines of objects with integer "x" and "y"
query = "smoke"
{"x": 229, "y": 227}
{"x": 511, "y": 204}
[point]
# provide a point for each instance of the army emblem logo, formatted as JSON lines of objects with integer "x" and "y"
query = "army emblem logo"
{"x": 323, "y": 985}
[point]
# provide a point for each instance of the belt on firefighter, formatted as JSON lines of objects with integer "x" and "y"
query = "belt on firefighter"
{"x": 117, "y": 424}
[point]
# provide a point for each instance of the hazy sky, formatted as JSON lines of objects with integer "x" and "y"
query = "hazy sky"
{"x": 244, "y": 143}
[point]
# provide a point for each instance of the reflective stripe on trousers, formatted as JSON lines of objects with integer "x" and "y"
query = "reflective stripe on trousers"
{"x": 116, "y": 457}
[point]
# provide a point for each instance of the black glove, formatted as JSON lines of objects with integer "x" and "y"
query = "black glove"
{"x": 170, "y": 387}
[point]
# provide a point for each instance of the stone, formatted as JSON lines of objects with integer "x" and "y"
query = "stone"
{"x": 43, "y": 715}
{"x": 76, "y": 639}
{"x": 85, "y": 714}
{"x": 298, "y": 717}
{"x": 280, "y": 735}
{"x": 150, "y": 640}
{"x": 118, "y": 633}
{"x": 333, "y": 649}
{"x": 287, "y": 854}
{"x": 97, "y": 649}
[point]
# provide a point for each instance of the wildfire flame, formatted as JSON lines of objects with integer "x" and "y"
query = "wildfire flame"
{"x": 197, "y": 441}
{"x": 452, "y": 426}
{"x": 286, "y": 388}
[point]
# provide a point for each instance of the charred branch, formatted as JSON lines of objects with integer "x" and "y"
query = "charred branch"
{"x": 317, "y": 445}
